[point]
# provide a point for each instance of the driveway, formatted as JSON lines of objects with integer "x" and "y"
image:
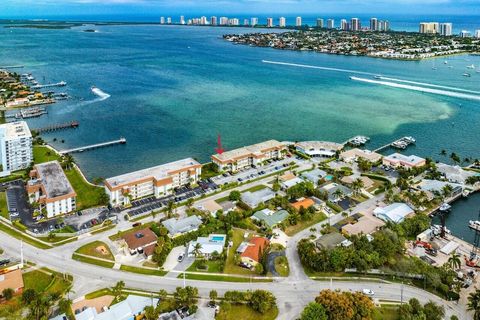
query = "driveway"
{"x": 172, "y": 259}
{"x": 271, "y": 262}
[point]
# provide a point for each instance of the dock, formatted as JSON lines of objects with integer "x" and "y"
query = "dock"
{"x": 356, "y": 141}
{"x": 12, "y": 67}
{"x": 59, "y": 126}
{"x": 95, "y": 146}
{"x": 401, "y": 143}
{"x": 58, "y": 84}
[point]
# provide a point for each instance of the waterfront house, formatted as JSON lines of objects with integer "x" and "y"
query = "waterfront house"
{"x": 269, "y": 217}
{"x": 157, "y": 181}
{"x": 322, "y": 149}
{"x": 177, "y": 227}
{"x": 245, "y": 157}
{"x": 208, "y": 245}
{"x": 353, "y": 155}
{"x": 253, "y": 199}
{"x": 253, "y": 251}
{"x": 401, "y": 160}
{"x": 396, "y": 212}
{"x": 49, "y": 187}
{"x": 140, "y": 241}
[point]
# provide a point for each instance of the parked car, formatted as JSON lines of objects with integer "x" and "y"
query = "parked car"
{"x": 136, "y": 224}
{"x": 368, "y": 292}
{"x": 180, "y": 257}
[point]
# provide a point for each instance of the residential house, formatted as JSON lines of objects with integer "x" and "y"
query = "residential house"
{"x": 253, "y": 155}
{"x": 436, "y": 186}
{"x": 178, "y": 227}
{"x": 366, "y": 224}
{"x": 208, "y": 245}
{"x": 140, "y": 241}
{"x": 353, "y": 155}
{"x": 12, "y": 279}
{"x": 157, "y": 181}
{"x": 332, "y": 188}
{"x": 228, "y": 206}
{"x": 289, "y": 180}
{"x": 254, "y": 250}
{"x": 396, "y": 212}
{"x": 401, "y": 160}
{"x": 210, "y": 206}
{"x": 269, "y": 217}
{"x": 314, "y": 175}
{"x": 303, "y": 202}
{"x": 367, "y": 182}
{"x": 50, "y": 188}
{"x": 330, "y": 241}
{"x": 253, "y": 199}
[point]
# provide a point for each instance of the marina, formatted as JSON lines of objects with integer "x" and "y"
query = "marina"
{"x": 95, "y": 146}
{"x": 401, "y": 143}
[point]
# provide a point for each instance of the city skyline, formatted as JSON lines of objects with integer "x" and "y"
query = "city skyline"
{"x": 265, "y": 7}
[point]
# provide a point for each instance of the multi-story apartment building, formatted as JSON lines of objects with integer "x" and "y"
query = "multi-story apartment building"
{"x": 269, "y": 22}
{"x": 253, "y": 22}
{"x": 330, "y": 23}
{"x": 355, "y": 24}
{"x": 50, "y": 188}
{"x": 162, "y": 20}
{"x": 446, "y": 29}
{"x": 374, "y": 24}
{"x": 343, "y": 24}
{"x": 298, "y": 21}
{"x": 223, "y": 21}
{"x": 182, "y": 20}
{"x": 157, "y": 181}
{"x": 429, "y": 27}
{"x": 253, "y": 155}
{"x": 282, "y": 22}
{"x": 15, "y": 146}
{"x": 477, "y": 34}
{"x": 320, "y": 23}
{"x": 213, "y": 20}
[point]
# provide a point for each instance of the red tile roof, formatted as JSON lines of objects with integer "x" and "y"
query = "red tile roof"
{"x": 305, "y": 203}
{"x": 139, "y": 238}
{"x": 255, "y": 247}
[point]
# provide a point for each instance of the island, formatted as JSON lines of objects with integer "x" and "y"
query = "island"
{"x": 388, "y": 45}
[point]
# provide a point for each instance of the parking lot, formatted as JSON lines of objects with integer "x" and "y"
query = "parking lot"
{"x": 17, "y": 201}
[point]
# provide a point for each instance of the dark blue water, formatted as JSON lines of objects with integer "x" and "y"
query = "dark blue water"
{"x": 173, "y": 89}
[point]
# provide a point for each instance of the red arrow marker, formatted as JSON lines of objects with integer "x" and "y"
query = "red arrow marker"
{"x": 219, "y": 150}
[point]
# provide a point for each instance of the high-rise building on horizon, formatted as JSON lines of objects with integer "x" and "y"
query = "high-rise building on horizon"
{"x": 374, "y": 24}
{"x": 465, "y": 34}
{"x": 330, "y": 24}
{"x": 429, "y": 27}
{"x": 282, "y": 22}
{"x": 477, "y": 33}
{"x": 320, "y": 23}
{"x": 203, "y": 20}
{"x": 355, "y": 24}
{"x": 343, "y": 24}
{"x": 269, "y": 22}
{"x": 446, "y": 29}
{"x": 162, "y": 20}
{"x": 182, "y": 20}
{"x": 169, "y": 20}
{"x": 298, "y": 21}
{"x": 223, "y": 21}
{"x": 213, "y": 20}
{"x": 245, "y": 22}
{"x": 253, "y": 22}
{"x": 233, "y": 22}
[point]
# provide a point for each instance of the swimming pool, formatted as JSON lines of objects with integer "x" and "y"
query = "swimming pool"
{"x": 329, "y": 177}
{"x": 218, "y": 238}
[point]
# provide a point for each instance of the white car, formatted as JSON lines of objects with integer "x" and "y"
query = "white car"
{"x": 368, "y": 292}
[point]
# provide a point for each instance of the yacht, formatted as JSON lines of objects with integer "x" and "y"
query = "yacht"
{"x": 474, "y": 224}
{"x": 468, "y": 75}
{"x": 471, "y": 66}
{"x": 439, "y": 228}
{"x": 410, "y": 139}
{"x": 445, "y": 62}
{"x": 445, "y": 207}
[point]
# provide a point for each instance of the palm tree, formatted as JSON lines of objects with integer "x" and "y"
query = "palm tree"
{"x": 189, "y": 203}
{"x": 197, "y": 250}
{"x": 170, "y": 208}
{"x": 68, "y": 161}
{"x": 447, "y": 190}
{"x": 151, "y": 313}
{"x": 455, "y": 158}
{"x": 117, "y": 290}
{"x": 474, "y": 304}
{"x": 338, "y": 194}
{"x": 357, "y": 185}
{"x": 454, "y": 261}
{"x": 65, "y": 306}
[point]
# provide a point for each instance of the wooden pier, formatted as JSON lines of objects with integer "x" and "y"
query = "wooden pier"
{"x": 59, "y": 126}
{"x": 401, "y": 143}
{"x": 95, "y": 146}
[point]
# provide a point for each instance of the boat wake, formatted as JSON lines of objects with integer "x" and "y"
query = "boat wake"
{"x": 428, "y": 85}
{"x": 317, "y": 67}
{"x": 420, "y": 89}
{"x": 101, "y": 95}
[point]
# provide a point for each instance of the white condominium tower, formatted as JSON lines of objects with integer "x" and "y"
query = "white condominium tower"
{"x": 330, "y": 23}
{"x": 374, "y": 24}
{"x": 15, "y": 146}
{"x": 253, "y": 22}
{"x": 320, "y": 23}
{"x": 429, "y": 27}
{"x": 343, "y": 24}
{"x": 269, "y": 22}
{"x": 298, "y": 21}
{"x": 446, "y": 29}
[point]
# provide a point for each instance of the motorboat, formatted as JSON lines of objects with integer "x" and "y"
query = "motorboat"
{"x": 445, "y": 207}
{"x": 474, "y": 224}
{"x": 468, "y": 75}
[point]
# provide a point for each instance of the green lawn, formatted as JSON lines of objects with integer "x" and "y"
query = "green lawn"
{"x": 3, "y": 205}
{"x": 281, "y": 266}
{"x": 151, "y": 272}
{"x": 19, "y": 235}
{"x": 100, "y": 263}
{"x": 301, "y": 225}
{"x": 87, "y": 195}
{"x": 37, "y": 280}
{"x": 98, "y": 293}
{"x": 43, "y": 154}
{"x": 213, "y": 267}
{"x": 234, "y": 312}
{"x": 230, "y": 266}
{"x": 386, "y": 313}
{"x": 91, "y": 249}
{"x": 256, "y": 188}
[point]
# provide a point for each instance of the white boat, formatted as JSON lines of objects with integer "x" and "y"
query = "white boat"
{"x": 438, "y": 228}
{"x": 445, "y": 62}
{"x": 471, "y": 66}
{"x": 98, "y": 92}
{"x": 474, "y": 224}
{"x": 467, "y": 75}
{"x": 445, "y": 207}
{"x": 410, "y": 139}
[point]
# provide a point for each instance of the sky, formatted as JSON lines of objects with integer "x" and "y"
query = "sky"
{"x": 45, "y": 8}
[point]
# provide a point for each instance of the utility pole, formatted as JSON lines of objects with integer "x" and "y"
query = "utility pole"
{"x": 21, "y": 252}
